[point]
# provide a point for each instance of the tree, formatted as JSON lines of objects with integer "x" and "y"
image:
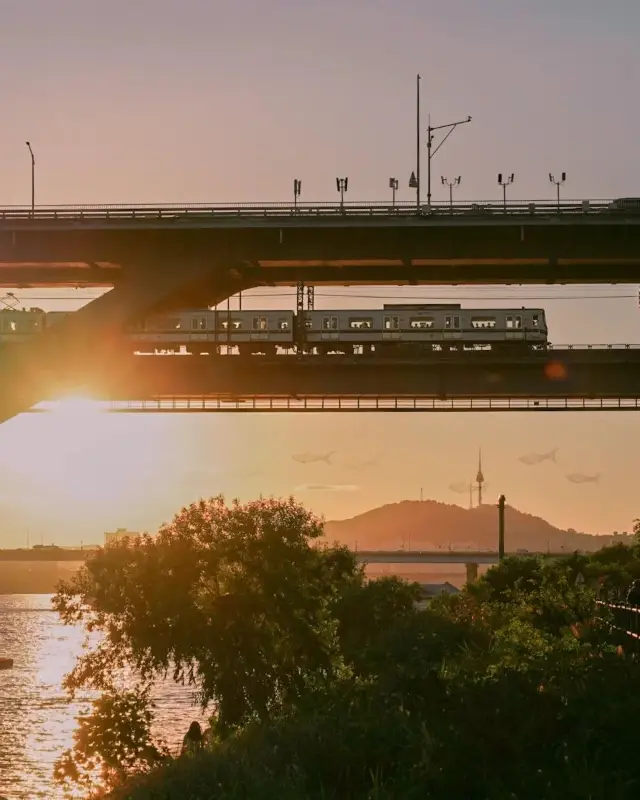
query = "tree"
{"x": 232, "y": 599}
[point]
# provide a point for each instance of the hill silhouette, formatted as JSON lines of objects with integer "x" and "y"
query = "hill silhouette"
{"x": 426, "y": 525}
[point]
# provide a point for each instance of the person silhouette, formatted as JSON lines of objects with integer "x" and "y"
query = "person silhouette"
{"x": 192, "y": 741}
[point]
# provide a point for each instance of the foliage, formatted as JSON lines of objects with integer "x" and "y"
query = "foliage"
{"x": 111, "y": 743}
{"x": 332, "y": 686}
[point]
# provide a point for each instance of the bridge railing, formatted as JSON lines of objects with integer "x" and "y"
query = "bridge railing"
{"x": 374, "y": 209}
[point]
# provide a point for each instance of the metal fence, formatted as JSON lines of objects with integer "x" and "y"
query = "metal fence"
{"x": 626, "y": 621}
{"x": 351, "y": 404}
{"x": 376, "y": 209}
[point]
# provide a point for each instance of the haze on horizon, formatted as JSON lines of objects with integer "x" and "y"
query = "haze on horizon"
{"x": 210, "y": 102}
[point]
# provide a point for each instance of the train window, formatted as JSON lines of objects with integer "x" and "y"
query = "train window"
{"x": 421, "y": 322}
{"x": 483, "y": 322}
{"x": 235, "y": 325}
{"x": 260, "y": 324}
{"x": 330, "y": 323}
{"x": 451, "y": 322}
{"x": 360, "y": 322}
{"x": 283, "y": 324}
{"x": 536, "y": 321}
{"x": 391, "y": 323}
{"x": 514, "y": 322}
{"x": 199, "y": 323}
{"x": 308, "y": 323}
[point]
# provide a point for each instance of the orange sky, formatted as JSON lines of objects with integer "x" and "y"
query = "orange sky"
{"x": 197, "y": 101}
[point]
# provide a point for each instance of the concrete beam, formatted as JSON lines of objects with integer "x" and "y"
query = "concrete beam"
{"x": 90, "y": 341}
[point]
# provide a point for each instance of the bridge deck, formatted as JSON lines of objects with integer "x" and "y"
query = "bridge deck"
{"x": 290, "y": 382}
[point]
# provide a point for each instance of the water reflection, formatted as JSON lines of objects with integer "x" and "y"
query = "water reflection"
{"x": 37, "y": 719}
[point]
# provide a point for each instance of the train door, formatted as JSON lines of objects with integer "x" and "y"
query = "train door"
{"x": 391, "y": 327}
{"x": 514, "y": 327}
{"x": 452, "y": 326}
{"x": 330, "y": 328}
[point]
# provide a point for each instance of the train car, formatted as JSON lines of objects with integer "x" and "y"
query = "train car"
{"x": 414, "y": 327}
{"x": 394, "y": 329}
{"x": 212, "y": 331}
{"x": 20, "y": 324}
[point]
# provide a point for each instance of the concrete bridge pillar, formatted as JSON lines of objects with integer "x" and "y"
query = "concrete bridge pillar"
{"x": 472, "y": 573}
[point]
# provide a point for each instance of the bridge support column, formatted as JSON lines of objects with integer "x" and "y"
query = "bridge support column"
{"x": 472, "y": 573}
{"x": 88, "y": 342}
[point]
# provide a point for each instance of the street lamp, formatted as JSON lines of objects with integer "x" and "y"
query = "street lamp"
{"x": 509, "y": 180}
{"x": 451, "y": 128}
{"x": 33, "y": 178}
{"x": 297, "y": 188}
{"x": 558, "y": 184}
{"x": 342, "y": 184}
{"x": 451, "y": 184}
{"x": 393, "y": 185}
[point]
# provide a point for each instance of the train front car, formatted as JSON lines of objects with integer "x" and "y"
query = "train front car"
{"x": 414, "y": 330}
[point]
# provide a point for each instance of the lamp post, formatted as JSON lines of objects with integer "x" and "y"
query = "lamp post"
{"x": 558, "y": 184}
{"x": 393, "y": 185}
{"x": 504, "y": 183}
{"x": 33, "y": 178}
{"x": 342, "y": 184}
{"x": 501, "y": 504}
{"x": 451, "y": 184}
{"x": 297, "y": 188}
{"x": 414, "y": 182}
{"x": 451, "y": 126}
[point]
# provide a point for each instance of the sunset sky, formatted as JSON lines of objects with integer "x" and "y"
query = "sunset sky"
{"x": 215, "y": 101}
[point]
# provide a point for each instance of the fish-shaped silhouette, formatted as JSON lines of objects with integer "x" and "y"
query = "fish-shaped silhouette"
{"x": 313, "y": 458}
{"x": 537, "y": 458}
{"x": 578, "y": 477}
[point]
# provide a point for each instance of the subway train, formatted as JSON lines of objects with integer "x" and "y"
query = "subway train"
{"x": 396, "y": 329}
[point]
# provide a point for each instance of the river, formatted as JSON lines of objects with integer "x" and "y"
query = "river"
{"x": 37, "y": 719}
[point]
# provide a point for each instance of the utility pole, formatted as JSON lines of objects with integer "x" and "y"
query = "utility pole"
{"x": 510, "y": 179}
{"x": 33, "y": 179}
{"x": 451, "y": 126}
{"x": 451, "y": 184}
{"x": 558, "y": 184}
{"x": 501, "y": 502}
{"x": 297, "y": 188}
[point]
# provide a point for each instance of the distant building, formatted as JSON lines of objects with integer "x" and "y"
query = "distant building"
{"x": 431, "y": 590}
{"x": 119, "y": 535}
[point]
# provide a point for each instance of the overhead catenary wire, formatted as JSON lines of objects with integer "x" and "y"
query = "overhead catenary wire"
{"x": 362, "y": 296}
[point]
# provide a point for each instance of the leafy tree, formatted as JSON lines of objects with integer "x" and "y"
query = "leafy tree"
{"x": 232, "y": 599}
{"x": 366, "y": 610}
{"x": 111, "y": 744}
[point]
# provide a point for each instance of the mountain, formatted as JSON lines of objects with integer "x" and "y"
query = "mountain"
{"x": 426, "y": 525}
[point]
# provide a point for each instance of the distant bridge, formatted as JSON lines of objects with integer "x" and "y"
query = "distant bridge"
{"x": 363, "y": 556}
{"x": 443, "y": 556}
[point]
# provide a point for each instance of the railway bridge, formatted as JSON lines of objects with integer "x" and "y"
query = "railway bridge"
{"x": 569, "y": 378}
{"x": 166, "y": 257}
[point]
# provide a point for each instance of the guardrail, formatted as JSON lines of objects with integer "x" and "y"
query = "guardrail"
{"x": 358, "y": 404}
{"x": 626, "y": 620}
{"x": 182, "y": 211}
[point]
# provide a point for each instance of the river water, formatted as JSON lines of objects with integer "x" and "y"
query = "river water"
{"x": 37, "y": 719}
